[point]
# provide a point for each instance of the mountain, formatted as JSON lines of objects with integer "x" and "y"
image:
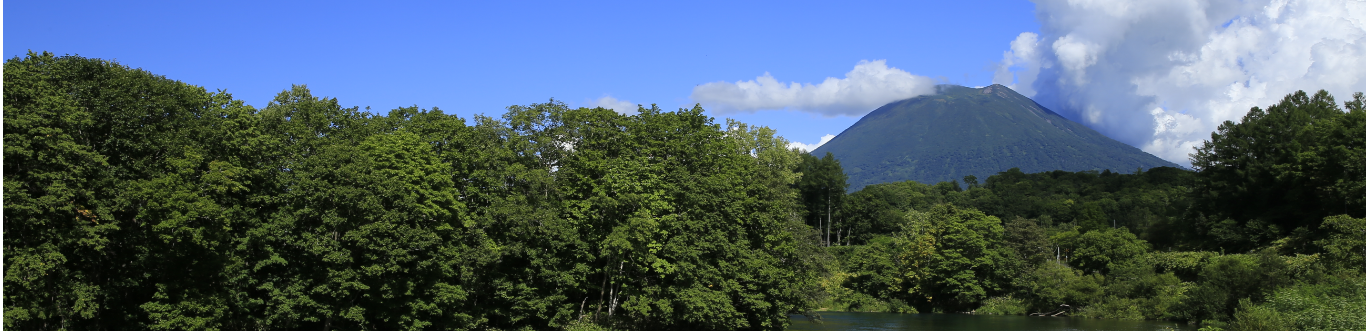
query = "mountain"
{"x": 962, "y": 131}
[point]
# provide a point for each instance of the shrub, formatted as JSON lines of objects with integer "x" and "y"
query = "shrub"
{"x": 1185, "y": 265}
{"x": 1104, "y": 249}
{"x": 1052, "y": 284}
{"x": 1338, "y": 303}
{"x": 1230, "y": 278}
{"x": 1257, "y": 318}
{"x": 1005, "y": 305}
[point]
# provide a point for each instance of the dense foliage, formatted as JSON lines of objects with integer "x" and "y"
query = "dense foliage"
{"x": 137, "y": 202}
{"x": 822, "y": 185}
{"x": 132, "y": 201}
{"x": 1280, "y": 171}
{"x": 1268, "y": 233}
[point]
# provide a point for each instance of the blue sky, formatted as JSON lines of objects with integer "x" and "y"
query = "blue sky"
{"x": 480, "y": 57}
{"x": 1156, "y": 74}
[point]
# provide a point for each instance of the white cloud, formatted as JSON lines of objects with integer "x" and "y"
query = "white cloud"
{"x": 871, "y": 84}
{"x": 1076, "y": 55}
{"x": 621, "y": 106}
{"x": 1163, "y": 74}
{"x": 811, "y": 147}
{"x": 1024, "y": 56}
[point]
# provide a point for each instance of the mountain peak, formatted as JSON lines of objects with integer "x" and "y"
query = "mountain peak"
{"x": 962, "y": 131}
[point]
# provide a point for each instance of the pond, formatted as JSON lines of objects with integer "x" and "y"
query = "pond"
{"x": 843, "y": 321}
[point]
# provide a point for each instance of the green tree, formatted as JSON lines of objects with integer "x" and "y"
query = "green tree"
{"x": 1228, "y": 279}
{"x": 1346, "y": 242}
{"x": 1025, "y": 245}
{"x": 683, "y": 236}
{"x": 971, "y": 181}
{"x": 121, "y": 196}
{"x": 950, "y": 258}
{"x": 1345, "y": 160}
{"x": 879, "y": 209}
{"x": 795, "y": 244}
{"x": 1050, "y": 285}
{"x": 1135, "y": 290}
{"x": 51, "y": 228}
{"x": 875, "y": 269}
{"x": 966, "y": 264}
{"x": 822, "y": 187}
{"x": 1277, "y": 170}
{"x": 1336, "y": 303}
{"x": 1102, "y": 250}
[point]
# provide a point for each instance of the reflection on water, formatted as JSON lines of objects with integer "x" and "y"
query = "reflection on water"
{"x": 959, "y": 322}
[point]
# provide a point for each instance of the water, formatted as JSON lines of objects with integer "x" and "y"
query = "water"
{"x": 960, "y": 322}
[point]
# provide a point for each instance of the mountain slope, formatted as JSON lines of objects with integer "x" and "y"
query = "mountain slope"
{"x": 964, "y": 131}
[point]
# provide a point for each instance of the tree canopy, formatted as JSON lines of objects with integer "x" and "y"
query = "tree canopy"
{"x": 1265, "y": 234}
{"x": 1281, "y": 169}
{"x": 133, "y": 201}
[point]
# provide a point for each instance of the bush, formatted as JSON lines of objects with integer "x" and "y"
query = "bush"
{"x": 898, "y": 306}
{"x": 1185, "y": 265}
{"x": 1338, "y": 303}
{"x": 1153, "y": 295}
{"x": 1257, "y": 318}
{"x": 1005, "y": 305}
{"x": 1230, "y": 278}
{"x": 862, "y": 302}
{"x": 1346, "y": 243}
{"x": 1104, "y": 249}
{"x": 584, "y": 325}
{"x": 1051, "y": 285}
{"x": 1112, "y": 307}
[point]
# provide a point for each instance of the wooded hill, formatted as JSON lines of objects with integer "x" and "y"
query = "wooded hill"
{"x": 961, "y": 131}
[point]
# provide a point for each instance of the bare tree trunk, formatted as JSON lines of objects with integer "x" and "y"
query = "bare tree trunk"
{"x": 828, "y": 220}
{"x": 602, "y": 291}
{"x": 616, "y": 291}
{"x": 585, "y": 301}
{"x": 819, "y": 226}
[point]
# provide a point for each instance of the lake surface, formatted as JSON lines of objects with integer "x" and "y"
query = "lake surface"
{"x": 960, "y": 322}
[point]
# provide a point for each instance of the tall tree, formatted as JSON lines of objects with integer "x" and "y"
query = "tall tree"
{"x": 123, "y": 192}
{"x": 137, "y": 202}
{"x": 823, "y": 184}
{"x": 1278, "y": 170}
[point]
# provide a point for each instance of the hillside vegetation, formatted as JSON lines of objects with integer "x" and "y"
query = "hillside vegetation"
{"x": 133, "y": 201}
{"x": 1268, "y": 233}
{"x": 963, "y": 131}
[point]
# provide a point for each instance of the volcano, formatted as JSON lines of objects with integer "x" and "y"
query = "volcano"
{"x": 962, "y": 131}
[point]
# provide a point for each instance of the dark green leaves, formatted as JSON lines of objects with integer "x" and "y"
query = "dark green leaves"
{"x": 1280, "y": 169}
{"x": 137, "y": 202}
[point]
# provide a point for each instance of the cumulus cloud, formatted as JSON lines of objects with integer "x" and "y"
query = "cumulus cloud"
{"x": 1022, "y": 62}
{"x": 621, "y": 106}
{"x": 811, "y": 147}
{"x": 1163, "y": 74}
{"x": 871, "y": 84}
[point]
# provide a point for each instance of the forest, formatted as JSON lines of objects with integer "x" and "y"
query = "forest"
{"x": 1266, "y": 233}
{"x": 134, "y": 201}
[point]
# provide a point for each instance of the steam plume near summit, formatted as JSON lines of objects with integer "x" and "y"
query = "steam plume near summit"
{"x": 1163, "y": 74}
